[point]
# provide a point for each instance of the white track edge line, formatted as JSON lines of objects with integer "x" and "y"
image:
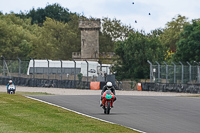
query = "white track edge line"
{"x": 82, "y": 113}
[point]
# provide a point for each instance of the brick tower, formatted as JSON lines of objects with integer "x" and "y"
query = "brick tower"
{"x": 90, "y": 39}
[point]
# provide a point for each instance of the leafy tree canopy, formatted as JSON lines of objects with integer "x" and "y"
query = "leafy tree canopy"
{"x": 170, "y": 35}
{"x": 16, "y": 38}
{"x": 133, "y": 54}
{"x": 54, "y": 11}
{"x": 115, "y": 29}
{"x": 56, "y": 40}
{"x": 188, "y": 47}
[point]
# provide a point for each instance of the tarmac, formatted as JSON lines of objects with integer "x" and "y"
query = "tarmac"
{"x": 68, "y": 91}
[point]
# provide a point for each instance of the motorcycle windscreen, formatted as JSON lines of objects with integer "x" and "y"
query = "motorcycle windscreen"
{"x": 11, "y": 87}
{"x": 108, "y": 92}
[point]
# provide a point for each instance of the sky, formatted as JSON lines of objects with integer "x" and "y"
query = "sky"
{"x": 162, "y": 11}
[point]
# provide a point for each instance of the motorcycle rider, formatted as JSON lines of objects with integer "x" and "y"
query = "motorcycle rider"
{"x": 108, "y": 86}
{"x": 9, "y": 83}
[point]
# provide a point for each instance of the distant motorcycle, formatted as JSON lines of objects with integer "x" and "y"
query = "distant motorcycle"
{"x": 107, "y": 101}
{"x": 11, "y": 89}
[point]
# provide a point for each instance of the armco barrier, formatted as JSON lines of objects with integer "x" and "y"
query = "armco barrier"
{"x": 185, "y": 88}
{"x": 45, "y": 83}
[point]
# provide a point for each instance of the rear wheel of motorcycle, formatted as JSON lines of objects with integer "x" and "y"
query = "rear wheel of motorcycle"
{"x": 108, "y": 108}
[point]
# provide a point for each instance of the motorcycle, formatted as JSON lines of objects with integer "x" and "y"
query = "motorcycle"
{"x": 107, "y": 101}
{"x": 11, "y": 89}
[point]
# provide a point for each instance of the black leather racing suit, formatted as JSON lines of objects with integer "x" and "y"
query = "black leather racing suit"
{"x": 106, "y": 88}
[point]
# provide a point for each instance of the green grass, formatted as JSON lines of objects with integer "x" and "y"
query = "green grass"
{"x": 191, "y": 96}
{"x": 19, "y": 114}
{"x": 32, "y": 93}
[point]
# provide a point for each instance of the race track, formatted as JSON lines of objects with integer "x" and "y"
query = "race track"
{"x": 151, "y": 114}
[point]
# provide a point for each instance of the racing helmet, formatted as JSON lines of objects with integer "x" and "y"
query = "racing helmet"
{"x": 109, "y": 85}
{"x": 10, "y": 81}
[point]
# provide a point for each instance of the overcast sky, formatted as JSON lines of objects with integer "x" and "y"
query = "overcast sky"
{"x": 162, "y": 11}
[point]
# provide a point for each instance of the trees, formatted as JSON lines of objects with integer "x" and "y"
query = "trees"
{"x": 54, "y": 11}
{"x": 170, "y": 35}
{"x": 106, "y": 44}
{"x": 115, "y": 29}
{"x": 133, "y": 54}
{"x": 15, "y": 37}
{"x": 56, "y": 40}
{"x": 188, "y": 47}
{"x": 73, "y": 25}
{"x": 112, "y": 31}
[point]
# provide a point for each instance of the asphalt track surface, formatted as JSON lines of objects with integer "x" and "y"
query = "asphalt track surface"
{"x": 150, "y": 114}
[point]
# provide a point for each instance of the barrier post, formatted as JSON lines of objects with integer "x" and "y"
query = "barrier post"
{"x": 190, "y": 71}
{"x": 87, "y": 70}
{"x": 151, "y": 73}
{"x": 158, "y": 71}
{"x": 174, "y": 72}
{"x": 33, "y": 71}
{"x": 74, "y": 72}
{"x": 198, "y": 72}
{"x": 3, "y": 59}
{"x": 61, "y": 66}
{"x": 182, "y": 72}
{"x": 33, "y": 68}
{"x": 100, "y": 65}
{"x": 166, "y": 71}
{"x": 48, "y": 68}
{"x": 198, "y": 76}
{"x": 19, "y": 66}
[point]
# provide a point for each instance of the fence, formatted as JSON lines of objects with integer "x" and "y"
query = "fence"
{"x": 51, "y": 73}
{"x": 174, "y": 77}
{"x": 179, "y": 73}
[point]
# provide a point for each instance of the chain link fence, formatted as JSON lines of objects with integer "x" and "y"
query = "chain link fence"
{"x": 64, "y": 74}
{"x": 175, "y": 73}
{"x": 174, "y": 77}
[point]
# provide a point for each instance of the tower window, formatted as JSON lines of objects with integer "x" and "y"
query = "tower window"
{"x": 83, "y": 41}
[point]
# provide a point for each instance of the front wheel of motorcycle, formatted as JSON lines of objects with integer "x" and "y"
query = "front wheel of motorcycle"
{"x": 104, "y": 111}
{"x": 108, "y": 108}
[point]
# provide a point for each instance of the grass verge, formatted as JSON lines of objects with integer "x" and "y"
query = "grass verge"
{"x": 32, "y": 93}
{"x": 191, "y": 96}
{"x": 19, "y": 114}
